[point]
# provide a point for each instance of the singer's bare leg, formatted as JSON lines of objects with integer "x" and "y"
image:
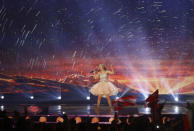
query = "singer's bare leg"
{"x": 98, "y": 103}
{"x": 109, "y": 102}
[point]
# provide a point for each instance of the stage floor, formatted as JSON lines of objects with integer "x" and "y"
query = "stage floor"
{"x": 85, "y": 110}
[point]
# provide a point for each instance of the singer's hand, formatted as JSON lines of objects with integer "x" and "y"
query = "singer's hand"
{"x": 111, "y": 67}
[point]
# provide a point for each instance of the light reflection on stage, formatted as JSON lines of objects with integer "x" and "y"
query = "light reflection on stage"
{"x": 77, "y": 110}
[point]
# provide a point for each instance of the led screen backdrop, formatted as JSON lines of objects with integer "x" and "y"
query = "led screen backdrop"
{"x": 47, "y": 43}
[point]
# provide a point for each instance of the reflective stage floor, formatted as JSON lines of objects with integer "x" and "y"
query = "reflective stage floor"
{"x": 83, "y": 109}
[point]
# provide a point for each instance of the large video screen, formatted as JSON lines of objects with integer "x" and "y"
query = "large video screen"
{"x": 47, "y": 43}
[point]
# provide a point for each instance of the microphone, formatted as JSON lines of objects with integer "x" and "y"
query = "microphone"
{"x": 92, "y": 71}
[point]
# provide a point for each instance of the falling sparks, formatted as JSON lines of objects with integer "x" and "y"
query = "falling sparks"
{"x": 65, "y": 41}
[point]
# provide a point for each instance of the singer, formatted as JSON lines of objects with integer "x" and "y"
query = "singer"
{"x": 104, "y": 88}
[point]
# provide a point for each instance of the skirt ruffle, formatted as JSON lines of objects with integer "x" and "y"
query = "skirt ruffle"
{"x": 104, "y": 88}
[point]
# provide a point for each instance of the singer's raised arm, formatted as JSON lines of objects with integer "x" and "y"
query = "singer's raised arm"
{"x": 111, "y": 72}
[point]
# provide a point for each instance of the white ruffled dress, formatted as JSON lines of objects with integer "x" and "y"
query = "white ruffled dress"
{"x": 104, "y": 87}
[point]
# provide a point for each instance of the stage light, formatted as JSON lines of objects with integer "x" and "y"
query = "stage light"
{"x": 88, "y": 98}
{"x": 176, "y": 109}
{"x": 2, "y": 97}
{"x": 59, "y": 107}
{"x": 176, "y": 99}
{"x": 117, "y": 98}
{"x": 2, "y": 108}
{"x": 157, "y": 126}
{"x": 147, "y": 110}
{"x": 31, "y": 97}
{"x": 145, "y": 96}
{"x": 88, "y": 107}
{"x": 63, "y": 112}
{"x": 59, "y": 97}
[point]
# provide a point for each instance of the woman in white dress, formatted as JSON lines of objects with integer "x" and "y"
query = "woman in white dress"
{"x": 104, "y": 88}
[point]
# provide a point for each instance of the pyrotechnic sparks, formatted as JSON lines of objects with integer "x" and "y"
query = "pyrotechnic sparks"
{"x": 149, "y": 43}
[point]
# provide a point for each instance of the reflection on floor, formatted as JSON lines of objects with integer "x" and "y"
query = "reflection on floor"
{"x": 89, "y": 109}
